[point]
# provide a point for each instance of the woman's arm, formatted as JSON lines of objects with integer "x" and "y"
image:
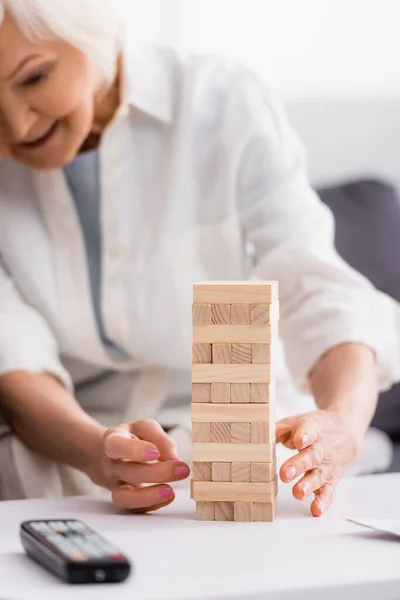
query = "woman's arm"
{"x": 49, "y": 420}
{"x": 329, "y": 440}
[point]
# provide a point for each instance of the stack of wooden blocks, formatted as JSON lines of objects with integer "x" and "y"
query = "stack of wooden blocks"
{"x": 235, "y": 328}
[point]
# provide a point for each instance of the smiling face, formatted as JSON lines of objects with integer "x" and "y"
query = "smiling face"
{"x": 47, "y": 99}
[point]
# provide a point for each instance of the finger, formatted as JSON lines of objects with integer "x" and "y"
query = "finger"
{"x": 311, "y": 482}
{"x": 306, "y": 433}
{"x": 283, "y": 433}
{"x": 121, "y": 444}
{"x": 304, "y": 461}
{"x": 323, "y": 500}
{"x": 134, "y": 497}
{"x": 159, "y": 472}
{"x": 151, "y": 431}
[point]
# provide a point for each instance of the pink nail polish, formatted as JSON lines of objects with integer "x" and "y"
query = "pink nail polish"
{"x": 290, "y": 473}
{"x": 165, "y": 492}
{"x": 151, "y": 454}
{"x": 181, "y": 471}
{"x": 305, "y": 440}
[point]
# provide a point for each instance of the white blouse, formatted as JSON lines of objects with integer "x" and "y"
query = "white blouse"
{"x": 202, "y": 178}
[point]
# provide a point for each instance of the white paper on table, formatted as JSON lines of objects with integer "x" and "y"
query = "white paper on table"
{"x": 385, "y": 525}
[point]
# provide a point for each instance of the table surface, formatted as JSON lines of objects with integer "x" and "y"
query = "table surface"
{"x": 177, "y": 558}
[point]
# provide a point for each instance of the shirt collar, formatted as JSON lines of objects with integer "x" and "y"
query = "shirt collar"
{"x": 145, "y": 81}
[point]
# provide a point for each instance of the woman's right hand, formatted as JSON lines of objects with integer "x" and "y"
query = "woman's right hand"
{"x": 134, "y": 456}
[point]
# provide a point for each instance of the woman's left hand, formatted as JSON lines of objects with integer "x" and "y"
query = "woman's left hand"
{"x": 327, "y": 446}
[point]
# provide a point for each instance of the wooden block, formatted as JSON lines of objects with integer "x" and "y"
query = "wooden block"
{"x": 234, "y": 413}
{"x": 221, "y": 354}
{"x": 201, "y": 314}
{"x": 259, "y": 314}
{"x": 201, "y": 393}
{"x": 261, "y": 353}
{"x": 201, "y": 432}
{"x": 240, "y": 314}
{"x": 220, "y": 393}
{"x": 262, "y": 472}
{"x": 221, "y": 314}
{"x": 201, "y": 471}
{"x": 201, "y": 353}
{"x": 240, "y": 471}
{"x": 261, "y": 433}
{"x": 231, "y": 334}
{"x": 241, "y": 354}
{"x": 264, "y": 511}
{"x": 224, "y": 511}
{"x": 221, "y": 472}
{"x": 233, "y": 491}
{"x": 240, "y": 433}
{"x": 235, "y": 292}
{"x": 205, "y": 511}
{"x": 224, "y": 452}
{"x": 243, "y": 511}
{"x": 232, "y": 374}
{"x": 240, "y": 392}
{"x": 220, "y": 433}
{"x": 259, "y": 392}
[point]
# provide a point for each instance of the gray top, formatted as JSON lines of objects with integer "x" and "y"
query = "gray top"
{"x": 83, "y": 178}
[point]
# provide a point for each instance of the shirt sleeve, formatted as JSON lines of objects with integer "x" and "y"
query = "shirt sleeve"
{"x": 27, "y": 342}
{"x": 323, "y": 301}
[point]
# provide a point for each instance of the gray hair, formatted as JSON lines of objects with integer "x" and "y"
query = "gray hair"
{"x": 91, "y": 26}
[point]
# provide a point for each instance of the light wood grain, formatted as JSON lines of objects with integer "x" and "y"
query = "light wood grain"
{"x": 259, "y": 392}
{"x": 240, "y": 433}
{"x": 259, "y": 314}
{"x": 261, "y": 353}
{"x": 204, "y": 452}
{"x": 234, "y": 413}
{"x": 201, "y": 353}
{"x": 201, "y": 393}
{"x": 263, "y": 472}
{"x": 215, "y": 491}
{"x": 232, "y": 334}
{"x": 240, "y": 354}
{"x": 221, "y": 472}
{"x": 240, "y": 314}
{"x": 240, "y": 393}
{"x": 201, "y": 471}
{"x": 240, "y": 471}
{"x": 262, "y": 433}
{"x": 233, "y": 374}
{"x": 205, "y": 511}
{"x": 221, "y": 354}
{"x": 235, "y": 292}
{"x": 221, "y": 314}
{"x": 243, "y": 511}
{"x": 264, "y": 511}
{"x": 201, "y": 432}
{"x": 201, "y": 314}
{"x": 220, "y": 393}
{"x": 220, "y": 433}
{"x": 224, "y": 511}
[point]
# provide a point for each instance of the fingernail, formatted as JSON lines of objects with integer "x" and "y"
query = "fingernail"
{"x": 181, "y": 471}
{"x": 305, "y": 439}
{"x": 290, "y": 472}
{"x": 151, "y": 454}
{"x": 306, "y": 489}
{"x": 165, "y": 492}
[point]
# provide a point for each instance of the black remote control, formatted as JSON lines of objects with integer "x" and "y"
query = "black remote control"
{"x": 73, "y": 551}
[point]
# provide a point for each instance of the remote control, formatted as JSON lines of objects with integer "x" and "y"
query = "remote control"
{"x": 73, "y": 551}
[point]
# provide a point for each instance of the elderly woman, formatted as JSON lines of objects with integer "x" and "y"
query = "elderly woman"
{"x": 127, "y": 174}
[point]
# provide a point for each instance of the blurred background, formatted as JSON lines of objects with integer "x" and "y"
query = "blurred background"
{"x": 334, "y": 64}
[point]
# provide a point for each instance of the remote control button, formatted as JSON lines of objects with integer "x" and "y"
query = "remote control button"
{"x": 77, "y": 526}
{"x": 58, "y": 526}
{"x": 117, "y": 556}
{"x": 87, "y": 547}
{"x": 41, "y": 527}
{"x": 64, "y": 545}
{"x": 105, "y": 546}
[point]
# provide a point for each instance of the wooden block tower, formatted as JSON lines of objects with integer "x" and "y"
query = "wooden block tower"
{"x": 235, "y": 328}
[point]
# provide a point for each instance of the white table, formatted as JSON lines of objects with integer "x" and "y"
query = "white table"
{"x": 178, "y": 558}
